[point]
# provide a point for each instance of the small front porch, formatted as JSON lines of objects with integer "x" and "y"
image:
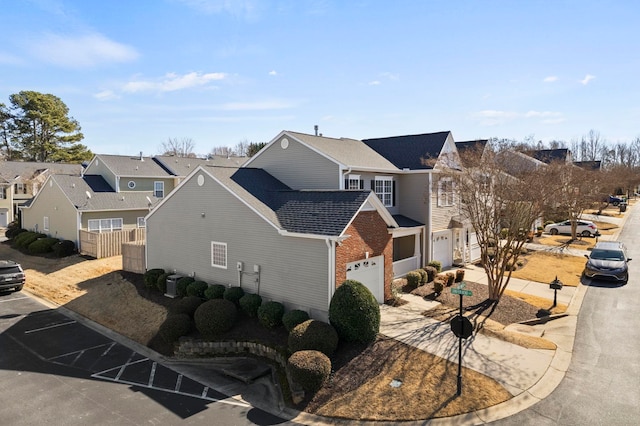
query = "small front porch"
{"x": 407, "y": 253}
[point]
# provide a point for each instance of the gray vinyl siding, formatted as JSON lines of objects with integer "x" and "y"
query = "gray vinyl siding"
{"x": 179, "y": 235}
{"x": 129, "y": 217}
{"x": 102, "y": 170}
{"x": 412, "y": 197}
{"x": 298, "y": 166}
{"x": 145, "y": 184}
{"x": 63, "y": 217}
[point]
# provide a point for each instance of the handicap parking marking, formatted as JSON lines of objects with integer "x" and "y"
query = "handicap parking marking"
{"x": 49, "y": 327}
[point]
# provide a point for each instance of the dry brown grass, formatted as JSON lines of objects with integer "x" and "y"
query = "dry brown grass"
{"x": 543, "y": 267}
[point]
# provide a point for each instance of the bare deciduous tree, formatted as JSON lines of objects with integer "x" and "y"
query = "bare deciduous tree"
{"x": 178, "y": 147}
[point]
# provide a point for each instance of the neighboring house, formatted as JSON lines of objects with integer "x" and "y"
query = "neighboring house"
{"x": 21, "y": 180}
{"x": 245, "y": 227}
{"x": 114, "y": 193}
{"x": 548, "y": 156}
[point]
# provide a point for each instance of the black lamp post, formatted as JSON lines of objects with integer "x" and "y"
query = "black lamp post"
{"x": 555, "y": 285}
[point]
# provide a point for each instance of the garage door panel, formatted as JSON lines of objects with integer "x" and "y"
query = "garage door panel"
{"x": 369, "y": 272}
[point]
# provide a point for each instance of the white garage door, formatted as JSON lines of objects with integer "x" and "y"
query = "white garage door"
{"x": 4, "y": 218}
{"x": 442, "y": 248}
{"x": 369, "y": 272}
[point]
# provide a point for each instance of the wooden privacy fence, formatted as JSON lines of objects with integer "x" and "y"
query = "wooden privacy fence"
{"x": 133, "y": 259}
{"x": 107, "y": 244}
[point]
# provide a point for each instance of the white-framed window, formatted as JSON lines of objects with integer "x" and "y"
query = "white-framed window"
{"x": 104, "y": 225}
{"x": 141, "y": 222}
{"x": 158, "y": 189}
{"x": 354, "y": 182}
{"x": 20, "y": 188}
{"x": 446, "y": 193}
{"x": 45, "y": 223}
{"x": 219, "y": 255}
{"x": 3, "y": 192}
{"x": 383, "y": 187}
{"x": 131, "y": 184}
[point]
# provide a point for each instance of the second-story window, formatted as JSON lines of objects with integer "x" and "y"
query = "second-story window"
{"x": 3, "y": 192}
{"x": 354, "y": 182}
{"x": 158, "y": 189}
{"x": 446, "y": 195}
{"x": 383, "y": 187}
{"x": 20, "y": 188}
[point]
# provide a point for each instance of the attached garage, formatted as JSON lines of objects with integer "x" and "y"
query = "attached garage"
{"x": 442, "y": 247}
{"x": 369, "y": 272}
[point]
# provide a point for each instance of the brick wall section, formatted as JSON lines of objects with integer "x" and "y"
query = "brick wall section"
{"x": 368, "y": 232}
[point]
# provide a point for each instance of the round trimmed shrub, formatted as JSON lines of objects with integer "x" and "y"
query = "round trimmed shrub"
{"x": 215, "y": 316}
{"x": 64, "y": 248}
{"x": 214, "y": 291}
{"x": 187, "y": 305}
{"x": 23, "y": 240}
{"x": 182, "y": 284}
{"x": 313, "y": 335}
{"x": 197, "y": 289}
{"x": 293, "y": 318}
{"x": 42, "y": 245}
{"x": 233, "y": 294}
{"x": 174, "y": 327}
{"x": 310, "y": 369}
{"x": 249, "y": 304}
{"x": 413, "y": 279}
{"x": 13, "y": 230}
{"x": 270, "y": 314}
{"x": 354, "y": 312}
{"x": 431, "y": 272}
{"x": 438, "y": 286}
{"x": 150, "y": 277}
{"x": 436, "y": 264}
{"x": 424, "y": 277}
{"x": 161, "y": 282}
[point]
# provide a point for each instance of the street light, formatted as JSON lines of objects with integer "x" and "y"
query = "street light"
{"x": 555, "y": 285}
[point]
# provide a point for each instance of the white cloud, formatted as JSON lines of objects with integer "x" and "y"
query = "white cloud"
{"x": 550, "y": 79}
{"x": 172, "y": 82}
{"x": 273, "y": 72}
{"x": 587, "y": 79}
{"x": 80, "y": 51}
{"x": 106, "y": 95}
{"x": 375, "y": 83}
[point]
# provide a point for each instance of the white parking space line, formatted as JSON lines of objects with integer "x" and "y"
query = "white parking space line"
{"x": 13, "y": 299}
{"x": 152, "y": 375}
{"x": 35, "y": 330}
{"x": 79, "y": 353}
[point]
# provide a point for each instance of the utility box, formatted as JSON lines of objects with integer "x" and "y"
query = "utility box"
{"x": 172, "y": 283}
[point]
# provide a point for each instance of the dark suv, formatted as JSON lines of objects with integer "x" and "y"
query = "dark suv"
{"x": 11, "y": 275}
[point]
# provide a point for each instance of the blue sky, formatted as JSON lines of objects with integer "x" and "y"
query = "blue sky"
{"x": 219, "y": 72}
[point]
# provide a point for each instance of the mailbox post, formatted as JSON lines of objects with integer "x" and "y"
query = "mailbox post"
{"x": 555, "y": 285}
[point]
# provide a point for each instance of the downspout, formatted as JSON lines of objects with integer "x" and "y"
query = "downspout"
{"x": 344, "y": 174}
{"x": 78, "y": 228}
{"x": 331, "y": 281}
{"x": 428, "y": 234}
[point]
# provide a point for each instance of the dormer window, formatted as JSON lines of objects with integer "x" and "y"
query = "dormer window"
{"x": 383, "y": 187}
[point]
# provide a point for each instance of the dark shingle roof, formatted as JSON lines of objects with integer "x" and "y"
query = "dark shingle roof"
{"x": 471, "y": 151}
{"x": 549, "y": 155}
{"x": 308, "y": 212}
{"x": 588, "y": 165}
{"x": 405, "y": 222}
{"x": 412, "y": 152}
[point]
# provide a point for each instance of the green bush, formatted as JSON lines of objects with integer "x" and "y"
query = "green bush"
{"x": 42, "y": 245}
{"x": 187, "y": 305}
{"x": 150, "y": 277}
{"x": 354, "y": 312}
{"x": 197, "y": 288}
{"x": 13, "y": 229}
{"x": 313, "y": 335}
{"x": 293, "y": 318}
{"x": 175, "y": 326}
{"x": 23, "y": 240}
{"x": 161, "y": 282}
{"x": 431, "y": 272}
{"x": 233, "y": 294}
{"x": 413, "y": 279}
{"x": 182, "y": 284}
{"x": 310, "y": 369}
{"x": 249, "y": 304}
{"x": 64, "y": 248}
{"x": 270, "y": 314}
{"x": 436, "y": 264}
{"x": 424, "y": 277}
{"x": 215, "y": 316}
{"x": 215, "y": 291}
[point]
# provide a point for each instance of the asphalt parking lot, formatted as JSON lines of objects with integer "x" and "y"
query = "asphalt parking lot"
{"x": 55, "y": 338}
